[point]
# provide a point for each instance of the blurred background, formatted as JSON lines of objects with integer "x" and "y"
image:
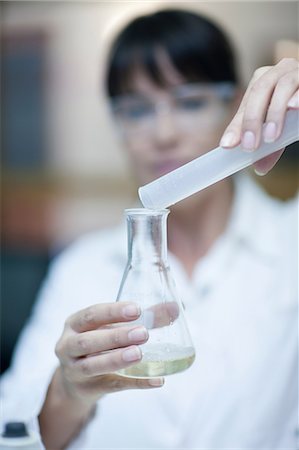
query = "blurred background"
{"x": 63, "y": 170}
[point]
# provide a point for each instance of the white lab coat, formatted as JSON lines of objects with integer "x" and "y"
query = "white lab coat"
{"x": 242, "y": 310}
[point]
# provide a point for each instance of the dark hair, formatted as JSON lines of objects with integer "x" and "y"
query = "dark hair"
{"x": 198, "y": 49}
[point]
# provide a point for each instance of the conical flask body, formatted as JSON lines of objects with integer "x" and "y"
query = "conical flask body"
{"x": 147, "y": 281}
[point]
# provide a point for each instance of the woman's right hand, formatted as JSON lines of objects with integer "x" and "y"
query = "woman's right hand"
{"x": 270, "y": 93}
{"x": 91, "y": 348}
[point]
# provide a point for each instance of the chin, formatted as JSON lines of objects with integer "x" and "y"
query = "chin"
{"x": 196, "y": 201}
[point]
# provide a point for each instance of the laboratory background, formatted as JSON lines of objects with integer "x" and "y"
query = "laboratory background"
{"x": 62, "y": 166}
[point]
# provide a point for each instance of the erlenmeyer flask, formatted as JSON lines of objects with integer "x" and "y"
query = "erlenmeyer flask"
{"x": 148, "y": 282}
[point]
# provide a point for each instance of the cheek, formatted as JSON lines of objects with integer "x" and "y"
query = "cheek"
{"x": 137, "y": 148}
{"x": 204, "y": 140}
{"x": 209, "y": 136}
{"x": 139, "y": 154}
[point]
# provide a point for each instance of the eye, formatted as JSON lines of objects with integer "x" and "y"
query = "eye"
{"x": 191, "y": 103}
{"x": 136, "y": 111}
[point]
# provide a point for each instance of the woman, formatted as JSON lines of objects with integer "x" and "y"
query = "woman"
{"x": 173, "y": 88}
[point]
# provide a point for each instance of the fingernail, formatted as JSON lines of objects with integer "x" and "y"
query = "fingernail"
{"x": 248, "y": 141}
{"x": 259, "y": 173}
{"x": 270, "y": 132}
{"x": 294, "y": 101}
{"x": 131, "y": 354}
{"x": 138, "y": 334}
{"x": 228, "y": 139}
{"x": 156, "y": 382}
{"x": 130, "y": 311}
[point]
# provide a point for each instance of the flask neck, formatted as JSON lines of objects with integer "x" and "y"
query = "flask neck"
{"x": 147, "y": 236}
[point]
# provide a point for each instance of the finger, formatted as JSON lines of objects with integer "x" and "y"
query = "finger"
{"x": 233, "y": 132}
{"x": 115, "y": 383}
{"x": 105, "y": 313}
{"x": 108, "y": 362}
{"x": 96, "y": 341}
{"x": 284, "y": 90}
{"x": 258, "y": 73}
{"x": 258, "y": 102}
{"x": 294, "y": 101}
{"x": 263, "y": 166}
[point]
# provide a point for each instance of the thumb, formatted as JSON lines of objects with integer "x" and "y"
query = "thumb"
{"x": 115, "y": 383}
{"x": 263, "y": 166}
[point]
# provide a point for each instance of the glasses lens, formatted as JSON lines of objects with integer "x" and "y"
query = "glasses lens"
{"x": 197, "y": 107}
{"x": 133, "y": 114}
{"x": 191, "y": 104}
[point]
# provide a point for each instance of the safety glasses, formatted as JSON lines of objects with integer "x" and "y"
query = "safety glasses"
{"x": 191, "y": 106}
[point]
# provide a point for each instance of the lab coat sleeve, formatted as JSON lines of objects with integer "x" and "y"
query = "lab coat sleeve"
{"x": 24, "y": 386}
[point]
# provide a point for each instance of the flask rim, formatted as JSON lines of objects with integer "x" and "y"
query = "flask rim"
{"x": 146, "y": 211}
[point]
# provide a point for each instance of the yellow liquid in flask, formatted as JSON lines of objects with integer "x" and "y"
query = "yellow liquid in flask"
{"x": 159, "y": 360}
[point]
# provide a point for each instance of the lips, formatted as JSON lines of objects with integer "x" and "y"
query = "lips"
{"x": 164, "y": 167}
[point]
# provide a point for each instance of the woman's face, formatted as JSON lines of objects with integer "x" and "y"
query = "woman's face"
{"x": 163, "y": 128}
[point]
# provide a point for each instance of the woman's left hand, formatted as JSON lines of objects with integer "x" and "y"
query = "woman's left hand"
{"x": 271, "y": 91}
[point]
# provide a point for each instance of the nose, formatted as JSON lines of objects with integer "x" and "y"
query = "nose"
{"x": 166, "y": 132}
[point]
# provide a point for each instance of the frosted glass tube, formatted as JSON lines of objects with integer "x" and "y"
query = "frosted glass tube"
{"x": 211, "y": 167}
